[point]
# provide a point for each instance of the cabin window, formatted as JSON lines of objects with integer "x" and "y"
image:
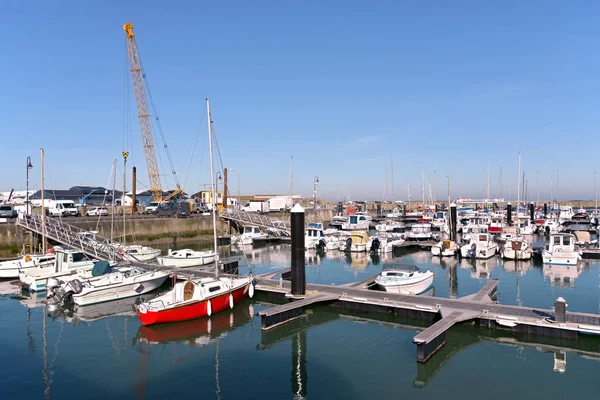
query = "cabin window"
{"x": 362, "y": 218}
{"x": 557, "y": 240}
{"x": 353, "y": 220}
{"x": 79, "y": 257}
{"x": 322, "y": 234}
{"x": 214, "y": 288}
{"x": 567, "y": 241}
{"x": 391, "y": 274}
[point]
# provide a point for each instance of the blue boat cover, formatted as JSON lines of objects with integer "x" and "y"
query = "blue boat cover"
{"x": 101, "y": 268}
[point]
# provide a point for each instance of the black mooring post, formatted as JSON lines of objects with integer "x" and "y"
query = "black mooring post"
{"x": 298, "y": 259}
{"x": 509, "y": 214}
{"x": 453, "y": 222}
{"x": 545, "y": 210}
{"x": 532, "y": 213}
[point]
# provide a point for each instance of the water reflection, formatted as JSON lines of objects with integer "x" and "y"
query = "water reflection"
{"x": 197, "y": 332}
{"x": 561, "y": 275}
{"x": 480, "y": 269}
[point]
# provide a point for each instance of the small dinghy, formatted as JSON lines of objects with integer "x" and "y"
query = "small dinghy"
{"x": 404, "y": 279}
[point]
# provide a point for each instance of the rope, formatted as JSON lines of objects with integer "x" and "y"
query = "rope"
{"x": 193, "y": 150}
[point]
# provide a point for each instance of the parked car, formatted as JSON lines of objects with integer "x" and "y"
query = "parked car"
{"x": 173, "y": 209}
{"x": 151, "y": 208}
{"x": 97, "y": 211}
{"x": 8, "y": 212}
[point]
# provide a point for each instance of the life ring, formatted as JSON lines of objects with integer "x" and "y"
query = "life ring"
{"x": 121, "y": 252}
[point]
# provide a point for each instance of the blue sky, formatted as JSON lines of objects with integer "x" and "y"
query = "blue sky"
{"x": 340, "y": 86}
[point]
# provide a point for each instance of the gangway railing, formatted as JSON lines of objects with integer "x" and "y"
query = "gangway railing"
{"x": 264, "y": 221}
{"x": 74, "y": 237}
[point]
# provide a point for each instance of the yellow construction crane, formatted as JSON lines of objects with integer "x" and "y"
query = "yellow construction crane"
{"x": 141, "y": 101}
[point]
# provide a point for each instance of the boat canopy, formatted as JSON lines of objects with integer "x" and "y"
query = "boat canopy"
{"x": 401, "y": 267}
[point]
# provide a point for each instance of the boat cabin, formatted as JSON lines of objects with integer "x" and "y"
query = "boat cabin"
{"x": 250, "y": 230}
{"x": 561, "y": 242}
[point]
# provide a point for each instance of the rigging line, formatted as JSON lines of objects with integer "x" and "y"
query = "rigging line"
{"x": 204, "y": 141}
{"x": 159, "y": 126}
{"x": 193, "y": 150}
{"x": 217, "y": 146}
{"x": 105, "y": 194}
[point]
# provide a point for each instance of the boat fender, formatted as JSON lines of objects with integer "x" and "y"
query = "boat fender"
{"x": 208, "y": 308}
{"x": 27, "y": 258}
{"x": 231, "y": 301}
{"x": 251, "y": 291}
{"x": 121, "y": 252}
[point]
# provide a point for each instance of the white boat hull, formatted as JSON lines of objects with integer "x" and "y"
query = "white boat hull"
{"x": 12, "y": 268}
{"x": 37, "y": 282}
{"x": 185, "y": 262}
{"x": 102, "y": 294}
{"x": 481, "y": 253}
{"x": 511, "y": 254}
{"x": 561, "y": 257}
{"x": 416, "y": 287}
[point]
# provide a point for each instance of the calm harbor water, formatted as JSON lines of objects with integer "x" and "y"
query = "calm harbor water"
{"x": 100, "y": 352}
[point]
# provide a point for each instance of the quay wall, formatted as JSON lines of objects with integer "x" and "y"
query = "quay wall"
{"x": 146, "y": 230}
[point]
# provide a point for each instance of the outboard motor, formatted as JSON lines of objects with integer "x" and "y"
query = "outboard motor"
{"x": 320, "y": 244}
{"x": 375, "y": 245}
{"x": 348, "y": 245}
{"x": 473, "y": 251}
{"x": 61, "y": 292}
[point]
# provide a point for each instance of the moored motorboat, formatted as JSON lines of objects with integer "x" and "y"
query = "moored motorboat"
{"x": 106, "y": 286}
{"x": 250, "y": 233}
{"x": 561, "y": 250}
{"x": 384, "y": 242}
{"x": 445, "y": 248}
{"x": 356, "y": 242}
{"x": 480, "y": 246}
{"x": 517, "y": 249}
{"x": 11, "y": 268}
{"x": 404, "y": 279}
{"x": 187, "y": 258}
{"x": 67, "y": 263}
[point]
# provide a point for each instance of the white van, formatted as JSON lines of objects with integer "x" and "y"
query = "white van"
{"x": 62, "y": 208}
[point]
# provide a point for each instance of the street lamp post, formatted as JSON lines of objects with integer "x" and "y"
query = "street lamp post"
{"x": 238, "y": 188}
{"x": 27, "y": 206}
{"x": 316, "y": 183}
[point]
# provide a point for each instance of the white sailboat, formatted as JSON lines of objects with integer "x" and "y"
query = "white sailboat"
{"x": 518, "y": 248}
{"x": 196, "y": 298}
{"x": 187, "y": 258}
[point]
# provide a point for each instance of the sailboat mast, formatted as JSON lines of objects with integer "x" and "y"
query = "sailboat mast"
{"x": 449, "y": 212}
{"x": 112, "y": 211}
{"x": 392, "y": 196}
{"x": 518, "y": 191}
{"x": 487, "y": 191}
{"x": 423, "y": 187}
{"x": 595, "y": 193}
{"x": 43, "y": 204}
{"x": 434, "y": 189}
{"x": 212, "y": 188}
{"x": 125, "y": 154}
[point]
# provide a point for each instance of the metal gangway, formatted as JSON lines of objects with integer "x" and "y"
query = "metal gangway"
{"x": 243, "y": 218}
{"x": 93, "y": 245}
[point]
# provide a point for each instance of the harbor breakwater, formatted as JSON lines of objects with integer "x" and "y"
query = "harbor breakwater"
{"x": 149, "y": 230}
